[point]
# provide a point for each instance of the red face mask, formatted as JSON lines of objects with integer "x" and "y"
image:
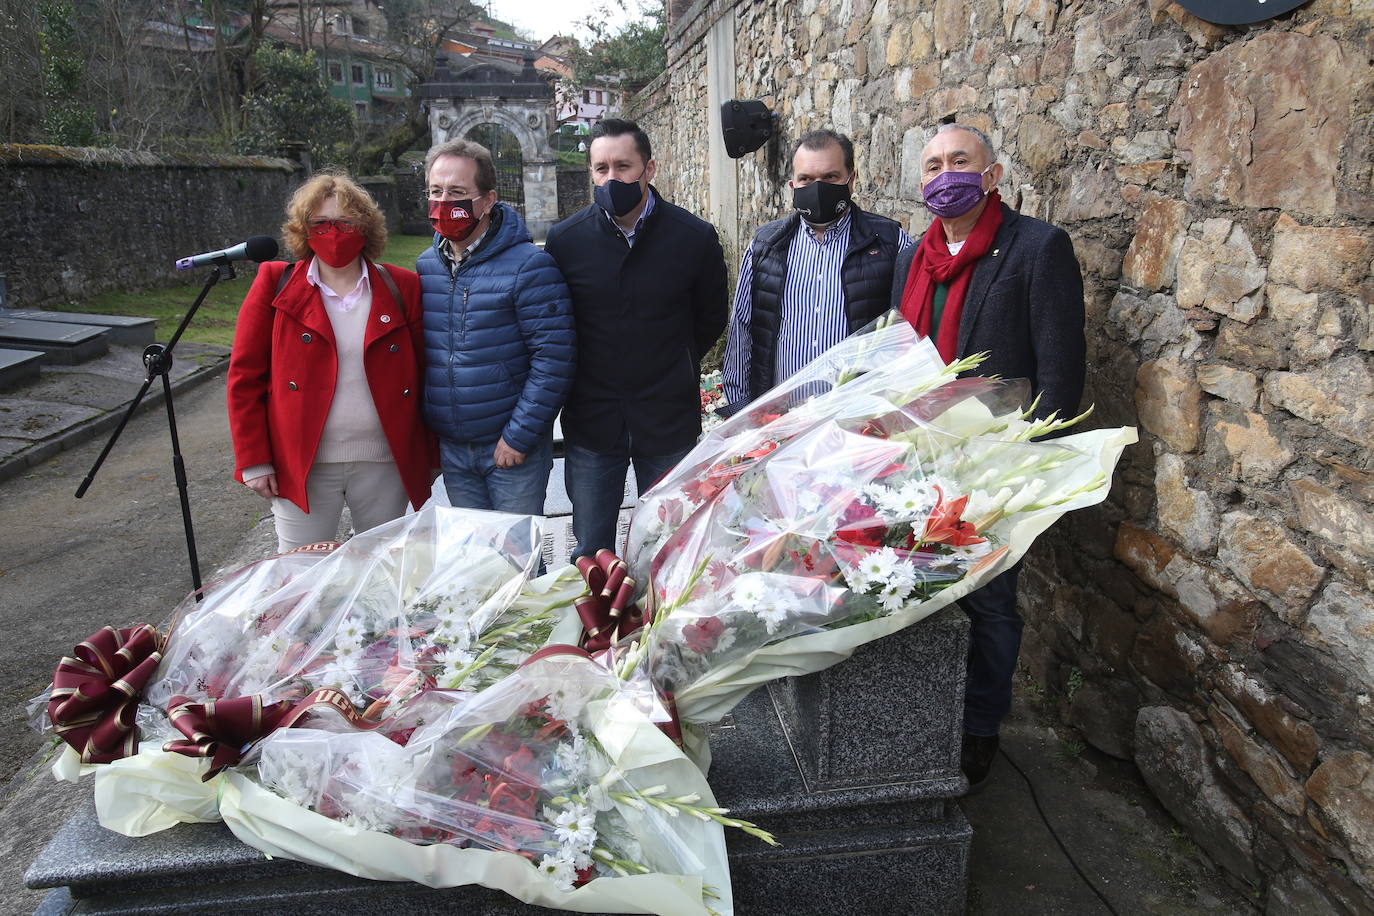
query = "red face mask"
{"x": 455, "y": 220}
{"x": 337, "y": 249}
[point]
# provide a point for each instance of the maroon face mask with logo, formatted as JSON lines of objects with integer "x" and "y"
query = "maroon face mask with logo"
{"x": 336, "y": 248}
{"x": 455, "y": 220}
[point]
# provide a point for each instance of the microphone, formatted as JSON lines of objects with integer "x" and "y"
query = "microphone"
{"x": 258, "y": 248}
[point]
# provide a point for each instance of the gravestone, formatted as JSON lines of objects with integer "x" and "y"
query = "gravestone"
{"x": 131, "y": 332}
{"x": 60, "y": 342}
{"x": 854, "y": 769}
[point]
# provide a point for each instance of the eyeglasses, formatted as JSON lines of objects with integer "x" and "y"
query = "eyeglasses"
{"x": 321, "y": 226}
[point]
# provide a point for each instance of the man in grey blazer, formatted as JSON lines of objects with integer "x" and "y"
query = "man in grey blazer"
{"x": 986, "y": 278}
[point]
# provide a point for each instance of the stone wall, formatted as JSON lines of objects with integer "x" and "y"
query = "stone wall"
{"x": 1214, "y": 620}
{"x": 574, "y": 189}
{"x": 77, "y": 222}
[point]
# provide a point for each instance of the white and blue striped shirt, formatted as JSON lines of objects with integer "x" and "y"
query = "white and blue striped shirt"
{"x": 812, "y": 318}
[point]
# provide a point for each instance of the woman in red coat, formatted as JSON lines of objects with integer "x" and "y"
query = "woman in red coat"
{"x": 324, "y": 378}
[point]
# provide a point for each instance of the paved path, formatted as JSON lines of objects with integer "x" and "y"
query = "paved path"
{"x": 116, "y": 556}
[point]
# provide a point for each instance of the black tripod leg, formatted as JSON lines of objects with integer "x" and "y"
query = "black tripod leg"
{"x": 179, "y": 469}
{"x": 114, "y": 437}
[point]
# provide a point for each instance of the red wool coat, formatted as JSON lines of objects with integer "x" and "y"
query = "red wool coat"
{"x": 283, "y": 368}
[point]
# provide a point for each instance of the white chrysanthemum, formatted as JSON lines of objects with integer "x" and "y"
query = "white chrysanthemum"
{"x": 349, "y": 630}
{"x": 366, "y": 812}
{"x": 455, "y": 658}
{"x": 892, "y": 597}
{"x": 878, "y": 565}
{"x": 560, "y": 869}
{"x": 570, "y": 757}
{"x": 565, "y": 706}
{"x": 808, "y": 500}
{"x": 749, "y": 591}
{"x": 914, "y": 499}
{"x": 970, "y": 552}
{"x": 575, "y": 827}
{"x": 903, "y": 575}
{"x": 773, "y": 616}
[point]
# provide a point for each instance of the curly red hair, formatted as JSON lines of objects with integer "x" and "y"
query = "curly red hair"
{"x": 353, "y": 200}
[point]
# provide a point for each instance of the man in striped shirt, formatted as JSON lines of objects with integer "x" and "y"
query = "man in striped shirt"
{"x": 811, "y": 279}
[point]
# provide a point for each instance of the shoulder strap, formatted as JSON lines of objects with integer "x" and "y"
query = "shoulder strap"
{"x": 391, "y": 287}
{"x": 285, "y": 275}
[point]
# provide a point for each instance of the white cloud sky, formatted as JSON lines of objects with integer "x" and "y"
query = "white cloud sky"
{"x": 543, "y": 19}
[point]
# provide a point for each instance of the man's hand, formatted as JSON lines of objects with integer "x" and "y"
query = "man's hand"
{"x": 507, "y": 457}
{"x": 265, "y": 486}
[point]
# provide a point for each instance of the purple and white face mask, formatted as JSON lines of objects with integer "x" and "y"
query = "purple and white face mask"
{"x": 951, "y": 194}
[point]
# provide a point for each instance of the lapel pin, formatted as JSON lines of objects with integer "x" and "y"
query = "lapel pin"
{"x": 995, "y": 251}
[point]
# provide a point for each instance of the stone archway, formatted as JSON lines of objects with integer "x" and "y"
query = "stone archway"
{"x": 518, "y": 101}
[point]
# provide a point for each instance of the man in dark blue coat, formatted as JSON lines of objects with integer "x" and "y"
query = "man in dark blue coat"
{"x": 811, "y": 279}
{"x": 499, "y": 338}
{"x": 648, "y": 290}
{"x": 984, "y": 278}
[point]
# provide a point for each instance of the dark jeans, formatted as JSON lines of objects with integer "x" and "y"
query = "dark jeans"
{"x": 994, "y": 641}
{"x": 596, "y": 487}
{"x": 474, "y": 481}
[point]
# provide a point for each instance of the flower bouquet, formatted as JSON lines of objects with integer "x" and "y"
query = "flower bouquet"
{"x": 712, "y": 400}
{"x": 551, "y": 785}
{"x": 887, "y": 498}
{"x": 428, "y": 600}
{"x": 311, "y": 705}
{"x": 849, "y": 379}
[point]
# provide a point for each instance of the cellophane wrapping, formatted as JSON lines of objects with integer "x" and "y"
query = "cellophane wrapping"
{"x": 806, "y": 528}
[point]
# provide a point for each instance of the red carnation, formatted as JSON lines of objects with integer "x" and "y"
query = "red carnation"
{"x": 702, "y": 634}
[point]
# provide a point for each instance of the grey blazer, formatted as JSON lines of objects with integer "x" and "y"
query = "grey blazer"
{"x": 1024, "y": 305}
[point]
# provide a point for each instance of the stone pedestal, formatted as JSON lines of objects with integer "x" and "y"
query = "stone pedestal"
{"x": 853, "y": 769}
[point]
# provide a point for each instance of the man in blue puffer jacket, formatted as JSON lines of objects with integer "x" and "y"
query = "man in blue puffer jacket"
{"x": 499, "y": 338}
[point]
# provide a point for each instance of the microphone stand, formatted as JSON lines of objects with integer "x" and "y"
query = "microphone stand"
{"x": 157, "y": 363}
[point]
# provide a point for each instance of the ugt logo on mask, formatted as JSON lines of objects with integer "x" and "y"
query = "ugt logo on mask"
{"x": 458, "y": 213}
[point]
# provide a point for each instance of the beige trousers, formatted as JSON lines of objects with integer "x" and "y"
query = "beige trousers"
{"x": 372, "y": 489}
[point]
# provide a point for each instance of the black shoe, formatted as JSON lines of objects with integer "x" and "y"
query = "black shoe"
{"x": 976, "y": 758}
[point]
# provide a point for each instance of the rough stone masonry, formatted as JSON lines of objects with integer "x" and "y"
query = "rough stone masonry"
{"x": 1214, "y": 620}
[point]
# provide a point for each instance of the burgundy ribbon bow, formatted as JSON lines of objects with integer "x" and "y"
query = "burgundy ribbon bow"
{"x": 95, "y": 691}
{"x": 223, "y": 730}
{"x": 606, "y": 611}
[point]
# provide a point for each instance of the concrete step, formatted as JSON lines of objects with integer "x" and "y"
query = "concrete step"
{"x": 18, "y": 367}
{"x": 61, "y": 343}
{"x": 134, "y": 332}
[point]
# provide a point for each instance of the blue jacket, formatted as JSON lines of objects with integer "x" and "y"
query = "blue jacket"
{"x": 499, "y": 341}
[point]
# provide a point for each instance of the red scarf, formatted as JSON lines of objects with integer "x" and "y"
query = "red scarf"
{"x": 933, "y": 264}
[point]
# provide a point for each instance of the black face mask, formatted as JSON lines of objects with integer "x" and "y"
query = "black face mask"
{"x": 618, "y": 197}
{"x": 821, "y": 202}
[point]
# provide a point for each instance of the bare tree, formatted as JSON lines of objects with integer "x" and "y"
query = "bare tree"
{"x": 417, "y": 30}
{"x": 19, "y": 70}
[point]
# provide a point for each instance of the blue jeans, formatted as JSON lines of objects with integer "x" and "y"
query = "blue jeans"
{"x": 596, "y": 487}
{"x": 474, "y": 481}
{"x": 994, "y": 641}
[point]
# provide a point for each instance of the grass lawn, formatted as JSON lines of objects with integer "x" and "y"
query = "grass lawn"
{"x": 214, "y": 323}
